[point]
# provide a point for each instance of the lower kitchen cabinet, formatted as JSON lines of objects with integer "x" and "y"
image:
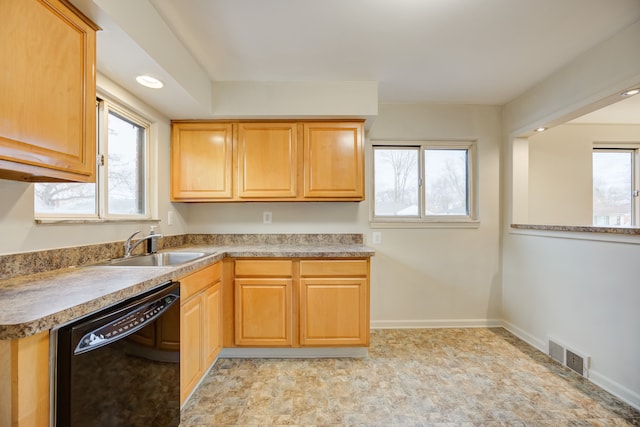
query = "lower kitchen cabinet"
{"x": 334, "y": 303}
{"x": 212, "y": 315}
{"x": 24, "y": 381}
{"x": 301, "y": 303}
{"x": 200, "y": 325}
{"x": 263, "y": 303}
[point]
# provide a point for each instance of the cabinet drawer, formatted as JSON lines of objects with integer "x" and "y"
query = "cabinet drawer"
{"x": 264, "y": 268}
{"x": 348, "y": 267}
{"x": 194, "y": 283}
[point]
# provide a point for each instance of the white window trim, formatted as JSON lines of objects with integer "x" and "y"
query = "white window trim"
{"x": 431, "y": 221}
{"x": 151, "y": 191}
{"x": 634, "y": 148}
{"x": 107, "y": 106}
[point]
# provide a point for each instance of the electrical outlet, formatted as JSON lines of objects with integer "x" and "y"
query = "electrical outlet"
{"x": 266, "y": 217}
{"x": 376, "y": 237}
{"x": 170, "y": 218}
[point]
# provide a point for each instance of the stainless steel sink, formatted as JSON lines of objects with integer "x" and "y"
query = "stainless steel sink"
{"x": 160, "y": 259}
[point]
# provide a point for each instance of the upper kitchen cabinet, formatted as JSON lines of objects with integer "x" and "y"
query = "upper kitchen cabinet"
{"x": 201, "y": 161}
{"x": 333, "y": 161}
{"x": 267, "y": 160}
{"x": 47, "y": 92}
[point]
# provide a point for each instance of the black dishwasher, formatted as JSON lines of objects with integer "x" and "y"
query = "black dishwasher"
{"x": 116, "y": 367}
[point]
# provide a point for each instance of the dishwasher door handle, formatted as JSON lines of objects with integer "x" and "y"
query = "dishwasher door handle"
{"x": 127, "y": 324}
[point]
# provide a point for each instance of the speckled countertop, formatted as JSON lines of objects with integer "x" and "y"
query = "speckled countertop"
{"x": 630, "y": 231}
{"x": 37, "y": 302}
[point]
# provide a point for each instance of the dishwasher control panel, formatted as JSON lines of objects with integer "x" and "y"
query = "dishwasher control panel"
{"x": 126, "y": 324}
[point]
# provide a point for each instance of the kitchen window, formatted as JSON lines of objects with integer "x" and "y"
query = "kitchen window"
{"x": 121, "y": 188}
{"x": 423, "y": 184}
{"x": 615, "y": 185}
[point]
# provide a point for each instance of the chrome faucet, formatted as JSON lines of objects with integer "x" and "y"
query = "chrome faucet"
{"x": 129, "y": 247}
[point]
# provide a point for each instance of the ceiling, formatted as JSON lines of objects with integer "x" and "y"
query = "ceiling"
{"x": 418, "y": 51}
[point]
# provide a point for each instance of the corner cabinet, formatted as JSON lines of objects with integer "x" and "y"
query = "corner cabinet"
{"x": 200, "y": 325}
{"x": 48, "y": 101}
{"x": 267, "y": 161}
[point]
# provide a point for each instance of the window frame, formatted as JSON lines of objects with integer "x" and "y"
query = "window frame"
{"x": 634, "y": 149}
{"x": 103, "y": 193}
{"x": 104, "y": 105}
{"x": 422, "y": 220}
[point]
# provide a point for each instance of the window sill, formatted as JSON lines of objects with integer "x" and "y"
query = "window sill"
{"x": 46, "y": 221}
{"x": 425, "y": 224}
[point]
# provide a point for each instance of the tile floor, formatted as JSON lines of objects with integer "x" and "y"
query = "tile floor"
{"x": 419, "y": 377}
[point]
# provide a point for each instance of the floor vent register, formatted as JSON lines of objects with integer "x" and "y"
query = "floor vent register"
{"x": 573, "y": 360}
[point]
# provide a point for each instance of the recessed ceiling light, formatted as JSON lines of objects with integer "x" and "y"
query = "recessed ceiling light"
{"x": 541, "y": 129}
{"x": 631, "y": 92}
{"x": 149, "y": 81}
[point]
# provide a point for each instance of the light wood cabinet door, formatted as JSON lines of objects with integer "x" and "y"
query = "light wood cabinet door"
{"x": 47, "y": 92}
{"x": 334, "y": 311}
{"x": 212, "y": 299}
{"x": 200, "y": 325}
{"x": 267, "y": 160}
{"x": 24, "y": 381}
{"x": 201, "y": 161}
{"x": 333, "y": 161}
{"x": 263, "y": 312}
{"x": 334, "y": 302}
{"x": 191, "y": 333}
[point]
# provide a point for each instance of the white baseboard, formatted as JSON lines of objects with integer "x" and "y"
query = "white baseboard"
{"x": 621, "y": 392}
{"x": 525, "y": 336}
{"x": 440, "y": 323}
{"x": 618, "y": 390}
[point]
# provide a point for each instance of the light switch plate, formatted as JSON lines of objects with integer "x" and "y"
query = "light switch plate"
{"x": 376, "y": 237}
{"x": 266, "y": 217}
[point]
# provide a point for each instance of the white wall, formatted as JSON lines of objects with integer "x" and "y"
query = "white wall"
{"x": 577, "y": 290}
{"x": 560, "y": 185}
{"x": 420, "y": 277}
{"x": 20, "y": 233}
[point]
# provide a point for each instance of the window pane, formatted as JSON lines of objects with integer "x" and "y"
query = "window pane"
{"x": 67, "y": 198}
{"x": 612, "y": 195}
{"x": 446, "y": 182}
{"x": 396, "y": 182}
{"x": 126, "y": 145}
